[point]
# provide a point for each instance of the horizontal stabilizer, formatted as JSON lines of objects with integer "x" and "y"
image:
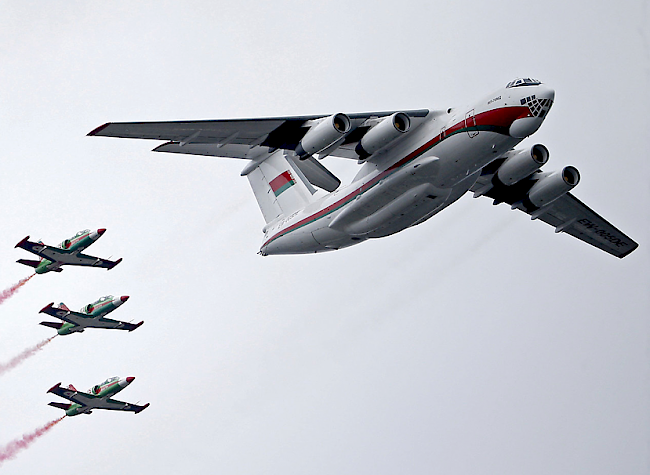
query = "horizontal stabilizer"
{"x": 114, "y": 263}
{"x": 61, "y": 405}
{"x": 28, "y": 262}
{"x": 133, "y": 327}
{"x": 56, "y": 325}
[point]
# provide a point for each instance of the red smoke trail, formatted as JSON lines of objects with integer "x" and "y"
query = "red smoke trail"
{"x": 10, "y": 450}
{"x": 16, "y": 360}
{"x": 5, "y": 294}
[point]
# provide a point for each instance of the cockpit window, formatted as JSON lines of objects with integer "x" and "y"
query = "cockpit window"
{"x": 82, "y": 232}
{"x": 523, "y": 82}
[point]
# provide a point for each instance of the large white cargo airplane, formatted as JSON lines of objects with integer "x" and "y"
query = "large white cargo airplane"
{"x": 412, "y": 165}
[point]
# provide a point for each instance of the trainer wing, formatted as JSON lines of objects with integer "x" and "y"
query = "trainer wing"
{"x": 95, "y": 402}
{"x": 115, "y": 405}
{"x": 65, "y": 256}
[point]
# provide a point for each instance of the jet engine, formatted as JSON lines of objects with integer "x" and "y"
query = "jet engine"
{"x": 553, "y": 185}
{"x": 323, "y": 135}
{"x": 382, "y": 134}
{"x": 522, "y": 164}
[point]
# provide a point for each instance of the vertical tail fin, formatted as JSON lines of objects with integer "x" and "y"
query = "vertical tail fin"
{"x": 279, "y": 186}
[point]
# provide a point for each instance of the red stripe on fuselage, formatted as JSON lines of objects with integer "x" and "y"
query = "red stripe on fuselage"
{"x": 502, "y": 117}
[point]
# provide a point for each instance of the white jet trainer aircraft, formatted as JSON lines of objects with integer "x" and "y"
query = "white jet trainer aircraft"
{"x": 412, "y": 165}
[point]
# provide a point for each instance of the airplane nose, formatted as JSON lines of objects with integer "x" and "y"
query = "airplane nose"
{"x": 545, "y": 92}
{"x": 125, "y": 382}
{"x": 539, "y": 100}
{"x": 101, "y": 231}
{"x": 124, "y": 298}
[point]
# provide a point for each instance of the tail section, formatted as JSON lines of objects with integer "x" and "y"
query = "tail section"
{"x": 279, "y": 186}
{"x": 28, "y": 262}
{"x": 55, "y": 325}
{"x": 63, "y": 306}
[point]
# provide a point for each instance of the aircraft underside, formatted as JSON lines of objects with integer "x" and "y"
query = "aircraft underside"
{"x": 408, "y": 196}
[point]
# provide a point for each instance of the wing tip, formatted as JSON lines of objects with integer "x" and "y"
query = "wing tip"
{"x": 115, "y": 263}
{"x": 49, "y": 305}
{"x": 56, "y": 386}
{"x": 140, "y": 409}
{"x": 629, "y": 251}
{"x": 97, "y": 130}
{"x": 21, "y": 243}
{"x": 136, "y": 326}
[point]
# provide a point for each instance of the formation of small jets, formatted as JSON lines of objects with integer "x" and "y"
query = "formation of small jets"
{"x": 92, "y": 315}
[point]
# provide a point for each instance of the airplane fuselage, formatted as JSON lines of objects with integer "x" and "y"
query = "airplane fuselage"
{"x": 75, "y": 244}
{"x": 415, "y": 178}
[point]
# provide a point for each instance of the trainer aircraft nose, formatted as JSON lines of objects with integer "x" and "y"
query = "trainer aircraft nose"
{"x": 125, "y": 382}
{"x": 537, "y": 98}
{"x": 97, "y": 234}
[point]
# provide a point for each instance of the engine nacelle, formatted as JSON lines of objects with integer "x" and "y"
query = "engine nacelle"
{"x": 522, "y": 164}
{"x": 552, "y": 186}
{"x": 382, "y": 134}
{"x": 323, "y": 135}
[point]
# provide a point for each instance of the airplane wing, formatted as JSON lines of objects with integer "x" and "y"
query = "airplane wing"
{"x": 65, "y": 256}
{"x": 566, "y": 214}
{"x": 84, "y": 320}
{"x": 115, "y": 405}
{"x": 236, "y": 138}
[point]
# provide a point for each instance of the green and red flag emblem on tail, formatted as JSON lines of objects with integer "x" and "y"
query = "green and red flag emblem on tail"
{"x": 282, "y": 182}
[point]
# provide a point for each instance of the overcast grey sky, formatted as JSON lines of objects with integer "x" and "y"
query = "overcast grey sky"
{"x": 477, "y": 343}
